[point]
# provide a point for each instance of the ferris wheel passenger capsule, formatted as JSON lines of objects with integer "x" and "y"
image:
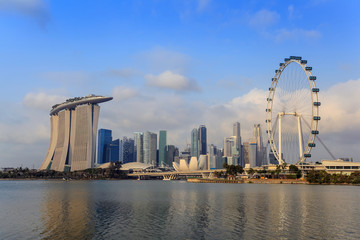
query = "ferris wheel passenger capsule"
{"x": 316, "y": 90}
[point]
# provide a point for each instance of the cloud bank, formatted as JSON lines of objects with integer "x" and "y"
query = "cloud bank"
{"x": 173, "y": 81}
{"x": 131, "y": 111}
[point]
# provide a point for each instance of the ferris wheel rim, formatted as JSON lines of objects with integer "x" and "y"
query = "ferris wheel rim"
{"x": 315, "y": 104}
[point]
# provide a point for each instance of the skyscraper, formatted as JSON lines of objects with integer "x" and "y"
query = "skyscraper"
{"x": 212, "y": 156}
{"x": 139, "y": 146}
{"x": 150, "y": 148}
{"x": 194, "y": 143}
{"x": 112, "y": 151}
{"x": 73, "y": 134}
{"x": 229, "y": 146}
{"x": 252, "y": 153}
{"x": 202, "y": 140}
{"x": 127, "y": 153}
{"x": 236, "y": 133}
{"x": 170, "y": 153}
{"x": 162, "y": 150}
{"x": 104, "y": 138}
{"x": 260, "y": 151}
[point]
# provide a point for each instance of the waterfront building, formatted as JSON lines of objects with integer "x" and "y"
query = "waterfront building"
{"x": 170, "y": 153}
{"x": 252, "y": 153}
{"x": 138, "y": 147}
{"x": 236, "y": 133}
{"x": 202, "y": 140}
{"x": 220, "y": 163}
{"x": 212, "y": 156}
{"x": 162, "y": 150}
{"x": 194, "y": 143}
{"x": 73, "y": 134}
{"x": 104, "y": 138}
{"x": 150, "y": 148}
{"x": 272, "y": 158}
{"x": 260, "y": 149}
{"x": 112, "y": 151}
{"x": 246, "y": 152}
{"x": 230, "y": 146}
{"x": 186, "y": 154}
{"x": 127, "y": 153}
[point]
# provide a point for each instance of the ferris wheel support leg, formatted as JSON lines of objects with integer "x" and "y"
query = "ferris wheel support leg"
{"x": 300, "y": 138}
{"x": 280, "y": 155}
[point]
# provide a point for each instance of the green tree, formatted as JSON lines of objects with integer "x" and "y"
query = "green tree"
{"x": 251, "y": 172}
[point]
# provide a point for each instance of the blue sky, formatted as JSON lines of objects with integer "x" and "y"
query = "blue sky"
{"x": 170, "y": 64}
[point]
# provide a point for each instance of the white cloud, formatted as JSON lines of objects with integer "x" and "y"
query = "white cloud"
{"x": 42, "y": 100}
{"x": 121, "y": 93}
{"x": 173, "y": 81}
{"x": 160, "y": 59}
{"x": 36, "y": 9}
{"x": 297, "y": 35}
{"x": 30, "y": 131}
{"x": 122, "y": 73}
{"x": 264, "y": 18}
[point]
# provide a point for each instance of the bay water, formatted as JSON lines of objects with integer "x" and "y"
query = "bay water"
{"x": 130, "y": 209}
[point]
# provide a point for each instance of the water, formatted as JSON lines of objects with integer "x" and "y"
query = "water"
{"x": 176, "y": 210}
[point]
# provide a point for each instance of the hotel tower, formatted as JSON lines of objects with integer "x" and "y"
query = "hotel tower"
{"x": 73, "y": 134}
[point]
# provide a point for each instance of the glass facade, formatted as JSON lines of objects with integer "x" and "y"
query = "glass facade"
{"x": 202, "y": 140}
{"x": 162, "y": 151}
{"x": 104, "y": 138}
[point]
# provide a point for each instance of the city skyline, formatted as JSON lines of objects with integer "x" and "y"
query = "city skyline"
{"x": 180, "y": 65}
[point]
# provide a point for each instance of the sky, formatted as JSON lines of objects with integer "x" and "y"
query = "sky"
{"x": 172, "y": 65}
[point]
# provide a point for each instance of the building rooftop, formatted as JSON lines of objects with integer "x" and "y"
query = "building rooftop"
{"x": 73, "y": 102}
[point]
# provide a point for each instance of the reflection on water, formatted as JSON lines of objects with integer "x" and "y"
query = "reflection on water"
{"x": 176, "y": 210}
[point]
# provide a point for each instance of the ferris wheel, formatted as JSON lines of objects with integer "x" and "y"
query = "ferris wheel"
{"x": 292, "y": 112}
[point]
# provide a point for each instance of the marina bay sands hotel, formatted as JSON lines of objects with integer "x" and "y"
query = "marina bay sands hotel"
{"x": 73, "y": 134}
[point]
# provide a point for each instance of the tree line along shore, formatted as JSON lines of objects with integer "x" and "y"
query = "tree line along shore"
{"x": 231, "y": 174}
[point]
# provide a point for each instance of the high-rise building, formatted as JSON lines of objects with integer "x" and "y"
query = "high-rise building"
{"x": 170, "y": 153}
{"x": 104, "y": 138}
{"x": 252, "y": 153}
{"x": 260, "y": 151}
{"x": 186, "y": 154}
{"x": 162, "y": 150}
{"x": 229, "y": 146}
{"x": 236, "y": 133}
{"x": 202, "y": 140}
{"x": 73, "y": 134}
{"x": 213, "y": 157}
{"x": 194, "y": 143}
{"x": 246, "y": 149}
{"x": 112, "y": 151}
{"x": 272, "y": 158}
{"x": 139, "y": 146}
{"x": 150, "y": 148}
{"x": 127, "y": 153}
